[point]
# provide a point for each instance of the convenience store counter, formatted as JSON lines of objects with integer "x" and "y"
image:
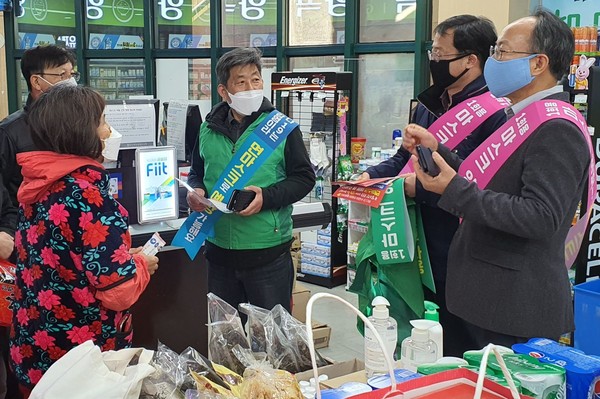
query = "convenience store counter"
{"x": 173, "y": 307}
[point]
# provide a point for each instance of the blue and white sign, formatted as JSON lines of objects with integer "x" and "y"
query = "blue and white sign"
{"x": 30, "y": 40}
{"x": 575, "y": 12}
{"x": 115, "y": 42}
{"x": 189, "y": 41}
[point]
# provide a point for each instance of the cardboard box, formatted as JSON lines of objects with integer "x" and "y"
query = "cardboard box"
{"x": 321, "y": 335}
{"x": 296, "y": 242}
{"x": 334, "y": 370}
{"x": 300, "y": 297}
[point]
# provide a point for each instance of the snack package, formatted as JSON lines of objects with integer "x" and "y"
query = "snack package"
{"x": 345, "y": 168}
{"x": 225, "y": 332}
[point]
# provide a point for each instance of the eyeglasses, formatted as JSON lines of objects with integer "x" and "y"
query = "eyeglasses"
{"x": 437, "y": 56}
{"x": 64, "y": 75}
{"x": 497, "y": 53}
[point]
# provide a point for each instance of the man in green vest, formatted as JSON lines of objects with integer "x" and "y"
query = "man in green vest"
{"x": 248, "y": 255}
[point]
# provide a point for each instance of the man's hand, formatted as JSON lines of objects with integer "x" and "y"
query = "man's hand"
{"x": 439, "y": 183}
{"x": 194, "y": 202}
{"x": 256, "y": 204}
{"x": 7, "y": 244}
{"x": 410, "y": 184}
{"x": 363, "y": 176}
{"x": 414, "y": 135}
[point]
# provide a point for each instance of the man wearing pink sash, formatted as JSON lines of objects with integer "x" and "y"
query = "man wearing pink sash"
{"x": 506, "y": 276}
{"x": 460, "y": 48}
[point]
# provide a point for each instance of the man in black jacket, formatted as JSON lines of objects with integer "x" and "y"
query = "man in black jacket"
{"x": 42, "y": 68}
{"x": 460, "y": 49}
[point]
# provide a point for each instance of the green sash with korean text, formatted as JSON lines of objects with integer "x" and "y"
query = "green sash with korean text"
{"x": 252, "y": 154}
{"x": 392, "y": 260}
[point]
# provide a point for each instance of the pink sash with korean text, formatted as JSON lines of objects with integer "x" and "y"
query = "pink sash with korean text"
{"x": 470, "y": 114}
{"x": 483, "y": 163}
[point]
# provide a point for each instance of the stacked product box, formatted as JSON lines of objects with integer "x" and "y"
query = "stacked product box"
{"x": 316, "y": 257}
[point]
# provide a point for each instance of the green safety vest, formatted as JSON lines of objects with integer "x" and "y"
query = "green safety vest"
{"x": 265, "y": 229}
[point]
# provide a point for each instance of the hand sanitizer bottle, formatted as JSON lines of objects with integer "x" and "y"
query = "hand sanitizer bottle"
{"x": 418, "y": 348}
{"x": 387, "y": 328}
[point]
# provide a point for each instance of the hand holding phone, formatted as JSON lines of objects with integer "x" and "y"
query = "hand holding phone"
{"x": 426, "y": 161}
{"x": 240, "y": 199}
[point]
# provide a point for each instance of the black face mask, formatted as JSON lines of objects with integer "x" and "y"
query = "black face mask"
{"x": 440, "y": 72}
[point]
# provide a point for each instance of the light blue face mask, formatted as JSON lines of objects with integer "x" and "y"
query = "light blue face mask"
{"x": 505, "y": 77}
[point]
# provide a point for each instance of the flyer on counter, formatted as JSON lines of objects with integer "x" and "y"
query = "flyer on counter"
{"x": 367, "y": 192}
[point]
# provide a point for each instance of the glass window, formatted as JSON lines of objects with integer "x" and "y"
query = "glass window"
{"x": 386, "y": 87}
{"x": 330, "y": 63}
{"x": 115, "y": 24}
{"x": 314, "y": 22}
{"x": 117, "y": 78}
{"x": 249, "y": 23}
{"x": 183, "y": 23}
{"x": 387, "y": 20}
{"x": 45, "y": 22}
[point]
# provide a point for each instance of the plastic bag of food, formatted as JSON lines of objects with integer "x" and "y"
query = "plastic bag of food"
{"x": 225, "y": 332}
{"x": 191, "y": 360}
{"x": 256, "y": 326}
{"x": 261, "y": 381}
{"x": 165, "y": 381}
{"x": 295, "y": 332}
{"x": 280, "y": 352}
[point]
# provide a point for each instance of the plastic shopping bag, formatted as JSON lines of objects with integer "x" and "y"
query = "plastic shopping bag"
{"x": 86, "y": 372}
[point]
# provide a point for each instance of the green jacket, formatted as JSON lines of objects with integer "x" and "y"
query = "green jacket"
{"x": 265, "y": 229}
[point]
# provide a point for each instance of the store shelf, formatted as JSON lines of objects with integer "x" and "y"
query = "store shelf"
{"x": 117, "y": 80}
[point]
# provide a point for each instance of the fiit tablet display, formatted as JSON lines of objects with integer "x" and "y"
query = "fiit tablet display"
{"x": 156, "y": 169}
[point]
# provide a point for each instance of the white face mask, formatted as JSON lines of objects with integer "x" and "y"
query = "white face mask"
{"x": 111, "y": 145}
{"x": 246, "y": 102}
{"x": 67, "y": 82}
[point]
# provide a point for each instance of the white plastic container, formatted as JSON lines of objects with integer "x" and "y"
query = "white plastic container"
{"x": 388, "y": 330}
{"x": 418, "y": 348}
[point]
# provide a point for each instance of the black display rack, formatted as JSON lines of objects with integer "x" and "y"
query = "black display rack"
{"x": 314, "y": 100}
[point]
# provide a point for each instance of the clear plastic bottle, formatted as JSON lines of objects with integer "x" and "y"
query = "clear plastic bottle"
{"x": 436, "y": 332}
{"x": 387, "y": 328}
{"x": 418, "y": 348}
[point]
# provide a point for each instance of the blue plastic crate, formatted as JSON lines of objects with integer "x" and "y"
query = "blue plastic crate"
{"x": 587, "y": 317}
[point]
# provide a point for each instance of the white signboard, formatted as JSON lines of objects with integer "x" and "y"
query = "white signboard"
{"x": 136, "y": 122}
{"x": 156, "y": 169}
{"x": 176, "y": 117}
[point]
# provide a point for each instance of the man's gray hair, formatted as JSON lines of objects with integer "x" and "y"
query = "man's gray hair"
{"x": 237, "y": 57}
{"x": 553, "y": 37}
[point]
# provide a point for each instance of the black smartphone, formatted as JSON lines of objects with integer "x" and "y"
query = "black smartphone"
{"x": 240, "y": 199}
{"x": 426, "y": 161}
